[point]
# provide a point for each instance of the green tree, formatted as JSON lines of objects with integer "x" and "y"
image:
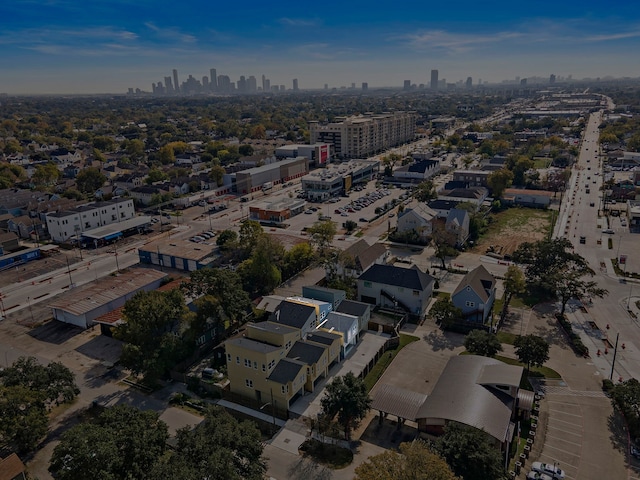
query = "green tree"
{"x": 46, "y": 175}
{"x": 225, "y": 286}
{"x": 481, "y": 342}
{"x": 425, "y": 191}
{"x": 217, "y": 173}
{"x": 245, "y": 150}
{"x": 470, "y": 453}
{"x": 444, "y": 312}
{"x": 514, "y": 284}
{"x": 414, "y": 461}
{"x": 552, "y": 267}
{"x": 346, "y": 397}
{"x": 626, "y": 396}
{"x": 24, "y": 417}
{"x": 350, "y": 226}
{"x": 123, "y": 443}
{"x": 220, "y": 448}
{"x": 499, "y": 181}
{"x": 55, "y": 382}
{"x": 227, "y": 240}
{"x": 134, "y": 148}
{"x": 104, "y": 144}
{"x": 156, "y": 175}
{"x": 250, "y": 233}
{"x": 296, "y": 259}
{"x": 260, "y": 273}
{"x": 151, "y": 321}
{"x": 90, "y": 179}
{"x": 532, "y": 350}
{"x": 322, "y": 233}
{"x": 166, "y": 154}
{"x": 443, "y": 242}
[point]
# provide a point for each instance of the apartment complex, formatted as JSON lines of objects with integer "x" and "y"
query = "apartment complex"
{"x": 363, "y": 135}
{"x": 69, "y": 224}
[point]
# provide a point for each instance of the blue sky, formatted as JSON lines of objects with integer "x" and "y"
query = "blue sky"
{"x": 96, "y": 46}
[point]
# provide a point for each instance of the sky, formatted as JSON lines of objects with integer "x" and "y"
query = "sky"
{"x": 107, "y": 46}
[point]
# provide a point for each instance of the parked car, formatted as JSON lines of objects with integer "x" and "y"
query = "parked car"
{"x": 635, "y": 452}
{"x": 551, "y": 470}
{"x": 538, "y": 476}
{"x": 608, "y": 231}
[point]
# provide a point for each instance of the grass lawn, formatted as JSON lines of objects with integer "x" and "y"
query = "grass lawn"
{"x": 506, "y": 337}
{"x": 517, "y": 217}
{"x": 544, "y": 372}
{"x": 385, "y": 360}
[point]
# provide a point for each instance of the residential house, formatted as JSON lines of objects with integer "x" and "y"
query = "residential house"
{"x": 331, "y": 295}
{"x": 475, "y": 195}
{"x": 12, "y": 468}
{"x": 442, "y": 207}
{"x": 146, "y": 194}
{"x": 389, "y": 286}
{"x": 358, "y": 257}
{"x": 472, "y": 178}
{"x": 27, "y": 227}
{"x": 129, "y": 181}
{"x": 9, "y": 242}
{"x": 109, "y": 190}
{"x": 298, "y": 315}
{"x": 418, "y": 219}
{"x": 475, "y": 295}
{"x": 357, "y": 309}
{"x": 457, "y": 223}
{"x": 344, "y": 325}
{"x": 416, "y": 172}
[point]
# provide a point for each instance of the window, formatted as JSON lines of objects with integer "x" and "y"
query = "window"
{"x": 284, "y": 388}
{"x": 238, "y": 360}
{"x": 248, "y": 383}
{"x": 247, "y": 362}
{"x": 416, "y": 293}
{"x": 470, "y": 304}
{"x": 229, "y": 357}
{"x": 264, "y": 367}
{"x": 255, "y": 365}
{"x": 367, "y": 284}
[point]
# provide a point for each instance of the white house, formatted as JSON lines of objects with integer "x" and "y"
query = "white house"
{"x": 419, "y": 219}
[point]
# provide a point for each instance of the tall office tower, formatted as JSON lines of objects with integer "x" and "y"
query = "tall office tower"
{"x": 264, "y": 83}
{"x": 252, "y": 84}
{"x": 469, "y": 83}
{"x": 365, "y": 86}
{"x": 295, "y": 84}
{"x": 523, "y": 81}
{"x": 213, "y": 77}
{"x": 434, "y": 79}
{"x": 353, "y": 85}
{"x": 326, "y": 86}
{"x": 552, "y": 78}
{"x": 407, "y": 85}
{"x": 168, "y": 85}
{"x": 176, "y": 85}
{"x": 242, "y": 84}
{"x": 205, "y": 83}
{"x": 224, "y": 84}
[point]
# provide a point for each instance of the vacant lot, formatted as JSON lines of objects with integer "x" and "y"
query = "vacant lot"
{"x": 511, "y": 227}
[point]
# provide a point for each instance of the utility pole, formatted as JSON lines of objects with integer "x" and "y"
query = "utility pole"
{"x": 615, "y": 353}
{"x": 69, "y": 272}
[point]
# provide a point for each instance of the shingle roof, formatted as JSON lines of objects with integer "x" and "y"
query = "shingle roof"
{"x": 412, "y": 278}
{"x": 457, "y": 396}
{"x": 286, "y": 370}
{"x": 253, "y": 345}
{"x": 351, "y": 307}
{"x": 306, "y": 352}
{"x": 324, "y": 338}
{"x": 11, "y": 467}
{"x": 292, "y": 314}
{"x": 480, "y": 280}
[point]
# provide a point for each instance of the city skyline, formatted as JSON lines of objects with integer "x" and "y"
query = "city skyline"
{"x": 62, "y": 46}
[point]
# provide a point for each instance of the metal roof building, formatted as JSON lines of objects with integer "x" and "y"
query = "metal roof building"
{"x": 81, "y": 306}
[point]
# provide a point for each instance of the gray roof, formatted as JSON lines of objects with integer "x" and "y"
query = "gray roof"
{"x": 397, "y": 401}
{"x": 286, "y": 370}
{"x": 324, "y": 338}
{"x": 351, "y": 307}
{"x": 438, "y": 204}
{"x": 253, "y": 345}
{"x": 480, "y": 280}
{"x": 501, "y": 374}
{"x": 292, "y": 314}
{"x": 306, "y": 352}
{"x": 412, "y": 278}
{"x": 457, "y": 396}
{"x": 272, "y": 327}
{"x": 458, "y": 215}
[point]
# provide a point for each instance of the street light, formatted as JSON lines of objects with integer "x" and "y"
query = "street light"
{"x": 273, "y": 411}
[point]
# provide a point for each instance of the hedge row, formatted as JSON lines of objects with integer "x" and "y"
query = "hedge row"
{"x": 578, "y": 347}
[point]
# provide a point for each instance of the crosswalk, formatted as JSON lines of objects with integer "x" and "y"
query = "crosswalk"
{"x": 566, "y": 391}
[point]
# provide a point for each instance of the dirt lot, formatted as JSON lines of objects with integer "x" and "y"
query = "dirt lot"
{"x": 510, "y": 228}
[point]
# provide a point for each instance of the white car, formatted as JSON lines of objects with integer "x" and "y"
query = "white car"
{"x": 538, "y": 476}
{"x": 551, "y": 470}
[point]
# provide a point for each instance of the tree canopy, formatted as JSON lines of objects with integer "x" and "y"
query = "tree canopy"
{"x": 152, "y": 320}
{"x": 444, "y": 312}
{"x": 532, "y": 350}
{"x": 470, "y": 453}
{"x": 346, "y": 397}
{"x": 514, "y": 284}
{"x": 481, "y": 342}
{"x": 413, "y": 461}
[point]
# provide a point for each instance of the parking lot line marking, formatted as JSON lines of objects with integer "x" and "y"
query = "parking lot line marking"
{"x": 565, "y": 431}
{"x": 565, "y": 413}
{"x": 567, "y": 422}
{"x": 566, "y": 452}
{"x": 577, "y": 444}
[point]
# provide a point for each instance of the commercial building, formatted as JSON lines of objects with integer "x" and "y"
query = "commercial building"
{"x": 178, "y": 254}
{"x": 82, "y": 305}
{"x": 277, "y": 211}
{"x": 434, "y": 79}
{"x": 318, "y": 154}
{"x": 335, "y": 180}
{"x": 63, "y": 226}
{"x": 364, "y": 135}
{"x": 253, "y": 179}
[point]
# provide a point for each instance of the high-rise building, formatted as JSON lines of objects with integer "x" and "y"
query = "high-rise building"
{"x": 365, "y": 86}
{"x": 252, "y": 84}
{"x": 552, "y": 78}
{"x": 176, "y": 85}
{"x": 434, "y": 79}
{"x": 362, "y": 135}
{"x": 407, "y": 85}
{"x": 295, "y": 84}
{"x": 224, "y": 84}
{"x": 469, "y": 83}
{"x": 213, "y": 77}
{"x": 266, "y": 85}
{"x": 242, "y": 84}
{"x": 168, "y": 85}
{"x": 205, "y": 83}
